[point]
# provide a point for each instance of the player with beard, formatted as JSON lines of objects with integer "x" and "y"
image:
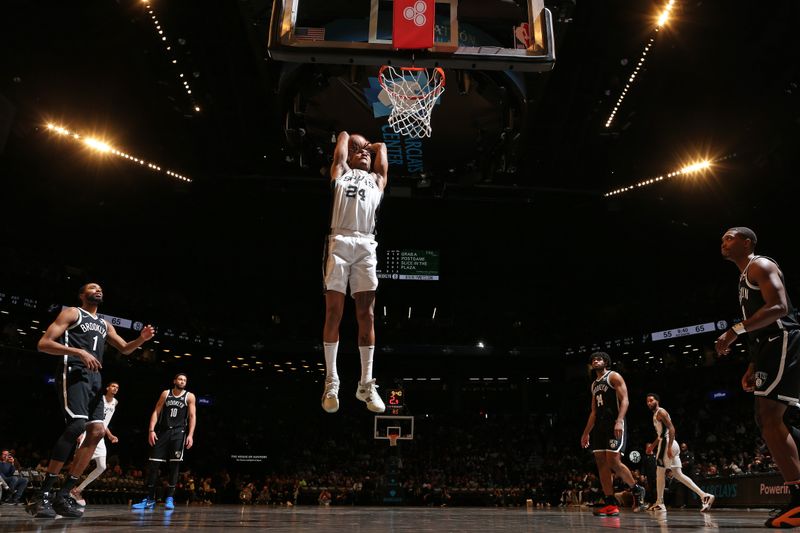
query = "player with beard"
{"x": 606, "y": 431}
{"x": 773, "y": 375}
{"x": 351, "y": 259}
{"x": 168, "y": 435}
{"x": 668, "y": 456}
{"x": 78, "y": 336}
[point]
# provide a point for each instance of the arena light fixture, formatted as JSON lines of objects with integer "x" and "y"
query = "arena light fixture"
{"x": 96, "y": 144}
{"x": 161, "y": 36}
{"x": 662, "y": 19}
{"x": 104, "y": 147}
{"x": 693, "y": 168}
{"x": 696, "y": 167}
{"x": 664, "y": 16}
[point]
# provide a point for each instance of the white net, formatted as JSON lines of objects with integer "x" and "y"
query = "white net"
{"x": 413, "y": 93}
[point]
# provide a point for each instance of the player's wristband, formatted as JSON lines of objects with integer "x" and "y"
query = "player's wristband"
{"x": 738, "y": 328}
{"x": 152, "y": 431}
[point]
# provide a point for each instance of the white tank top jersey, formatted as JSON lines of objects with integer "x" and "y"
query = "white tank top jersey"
{"x": 661, "y": 429}
{"x": 108, "y": 410}
{"x": 108, "y": 413}
{"x": 356, "y": 197}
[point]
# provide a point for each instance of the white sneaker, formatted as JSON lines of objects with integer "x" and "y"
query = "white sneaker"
{"x": 708, "y": 501}
{"x": 76, "y": 495}
{"x": 330, "y": 396}
{"x": 367, "y": 392}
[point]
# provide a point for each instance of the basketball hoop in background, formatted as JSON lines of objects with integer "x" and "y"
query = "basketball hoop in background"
{"x": 393, "y": 433}
{"x": 413, "y": 92}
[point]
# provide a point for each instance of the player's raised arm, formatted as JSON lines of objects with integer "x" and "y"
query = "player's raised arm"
{"x": 340, "y": 155}
{"x": 127, "y": 347}
{"x": 381, "y": 166}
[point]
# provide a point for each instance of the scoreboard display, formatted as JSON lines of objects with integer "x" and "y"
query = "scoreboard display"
{"x": 395, "y": 398}
{"x": 408, "y": 264}
{"x": 688, "y": 330}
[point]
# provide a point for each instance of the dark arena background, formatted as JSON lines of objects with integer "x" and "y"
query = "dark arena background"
{"x": 571, "y": 199}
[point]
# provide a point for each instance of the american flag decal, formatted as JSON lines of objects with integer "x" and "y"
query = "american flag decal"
{"x": 309, "y": 34}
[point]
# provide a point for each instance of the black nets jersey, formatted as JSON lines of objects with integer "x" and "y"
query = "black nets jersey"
{"x": 175, "y": 411}
{"x": 606, "y": 404}
{"x": 87, "y": 333}
{"x": 751, "y": 300}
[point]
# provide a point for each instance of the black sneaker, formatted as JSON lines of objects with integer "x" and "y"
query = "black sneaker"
{"x": 67, "y": 507}
{"x": 638, "y": 498}
{"x": 41, "y": 507}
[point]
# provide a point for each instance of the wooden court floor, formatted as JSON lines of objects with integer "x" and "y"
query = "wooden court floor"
{"x": 234, "y": 518}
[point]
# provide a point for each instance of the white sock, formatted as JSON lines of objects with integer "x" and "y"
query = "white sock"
{"x": 686, "y": 480}
{"x": 661, "y": 481}
{"x": 331, "y": 348}
{"x": 94, "y": 474}
{"x": 366, "y": 362}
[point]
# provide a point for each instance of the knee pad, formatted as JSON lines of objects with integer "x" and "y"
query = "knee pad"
{"x": 66, "y": 442}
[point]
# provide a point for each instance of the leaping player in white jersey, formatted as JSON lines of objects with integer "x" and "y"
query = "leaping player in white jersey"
{"x": 109, "y": 406}
{"x": 358, "y": 177}
{"x": 668, "y": 456}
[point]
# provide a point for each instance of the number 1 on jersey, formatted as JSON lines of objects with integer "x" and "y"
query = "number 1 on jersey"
{"x": 94, "y": 346}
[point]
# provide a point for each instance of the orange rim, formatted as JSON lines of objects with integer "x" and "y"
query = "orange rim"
{"x": 439, "y": 70}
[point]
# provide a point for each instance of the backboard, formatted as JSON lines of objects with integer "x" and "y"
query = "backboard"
{"x": 468, "y": 34}
{"x": 402, "y": 426}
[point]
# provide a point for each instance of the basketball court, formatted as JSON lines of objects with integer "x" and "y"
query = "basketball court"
{"x": 380, "y": 519}
{"x": 449, "y": 87}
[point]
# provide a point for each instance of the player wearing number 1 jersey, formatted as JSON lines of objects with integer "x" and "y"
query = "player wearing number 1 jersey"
{"x": 171, "y": 430}
{"x": 606, "y": 432}
{"x": 351, "y": 259}
{"x": 78, "y": 336}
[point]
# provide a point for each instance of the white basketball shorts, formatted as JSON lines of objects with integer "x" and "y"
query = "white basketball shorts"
{"x": 351, "y": 259}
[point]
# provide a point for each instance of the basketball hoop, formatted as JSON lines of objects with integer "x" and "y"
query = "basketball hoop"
{"x": 393, "y": 439}
{"x": 413, "y": 92}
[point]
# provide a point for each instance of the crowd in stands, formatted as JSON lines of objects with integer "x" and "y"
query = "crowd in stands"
{"x": 505, "y": 453}
{"x": 455, "y": 458}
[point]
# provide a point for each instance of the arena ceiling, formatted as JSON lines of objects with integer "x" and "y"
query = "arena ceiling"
{"x": 721, "y": 81}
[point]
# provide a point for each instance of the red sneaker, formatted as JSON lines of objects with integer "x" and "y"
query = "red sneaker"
{"x": 788, "y": 516}
{"x": 607, "y": 510}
